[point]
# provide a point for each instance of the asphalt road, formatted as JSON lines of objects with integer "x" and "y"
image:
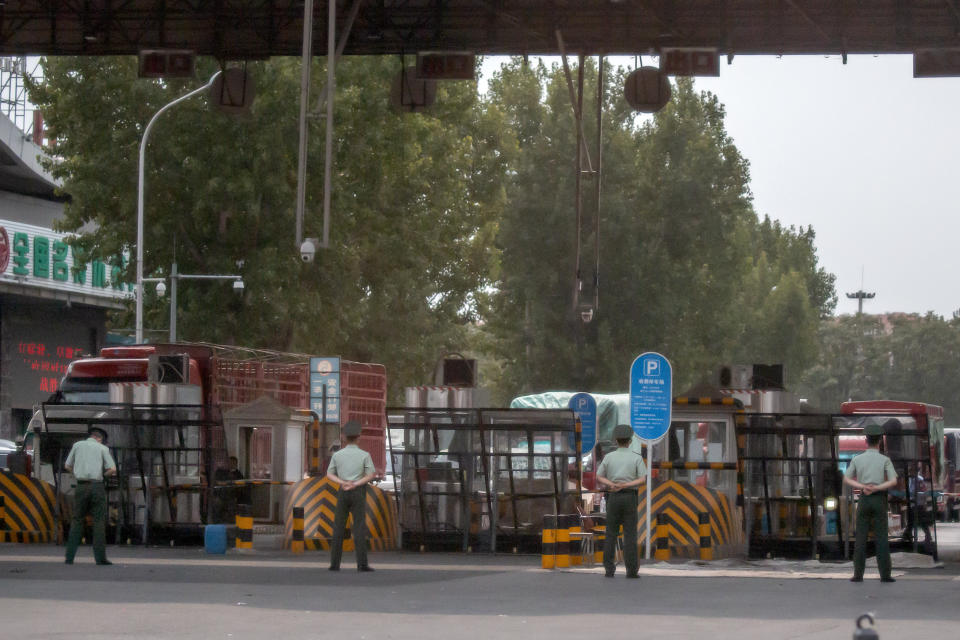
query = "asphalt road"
{"x": 185, "y": 593}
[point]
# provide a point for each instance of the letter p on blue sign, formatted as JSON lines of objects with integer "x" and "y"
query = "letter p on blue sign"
{"x": 651, "y": 367}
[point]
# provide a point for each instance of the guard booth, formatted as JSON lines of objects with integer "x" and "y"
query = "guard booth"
{"x": 480, "y": 478}
{"x": 696, "y": 479}
{"x": 268, "y": 439}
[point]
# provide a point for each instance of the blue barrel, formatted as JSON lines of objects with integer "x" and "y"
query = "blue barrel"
{"x": 215, "y": 538}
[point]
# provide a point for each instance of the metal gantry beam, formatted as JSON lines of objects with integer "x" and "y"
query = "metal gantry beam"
{"x": 247, "y": 29}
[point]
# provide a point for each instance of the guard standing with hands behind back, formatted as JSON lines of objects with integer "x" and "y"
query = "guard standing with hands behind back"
{"x": 90, "y": 461}
{"x": 872, "y": 473}
{"x": 622, "y": 471}
{"x": 352, "y": 468}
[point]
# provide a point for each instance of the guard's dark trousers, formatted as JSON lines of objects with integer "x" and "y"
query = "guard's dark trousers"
{"x": 90, "y": 497}
{"x": 350, "y": 502}
{"x": 621, "y": 511}
{"x": 872, "y": 516}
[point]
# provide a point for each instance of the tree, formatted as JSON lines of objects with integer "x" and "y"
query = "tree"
{"x": 682, "y": 251}
{"x": 894, "y": 357}
{"x": 415, "y": 202}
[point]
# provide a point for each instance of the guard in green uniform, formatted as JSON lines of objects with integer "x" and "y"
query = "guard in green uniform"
{"x": 872, "y": 473}
{"x": 89, "y": 461}
{"x": 622, "y": 471}
{"x": 352, "y": 468}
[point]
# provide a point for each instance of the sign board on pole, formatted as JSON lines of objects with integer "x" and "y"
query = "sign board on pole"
{"x": 651, "y": 404}
{"x": 325, "y": 372}
{"x": 585, "y": 407}
{"x": 651, "y": 396}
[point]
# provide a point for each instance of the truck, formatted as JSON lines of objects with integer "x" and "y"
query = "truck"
{"x": 176, "y": 413}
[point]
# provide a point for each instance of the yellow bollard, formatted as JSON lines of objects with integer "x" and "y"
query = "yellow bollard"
{"x": 296, "y": 544}
{"x": 576, "y": 542}
{"x": 548, "y": 551}
{"x": 563, "y": 542}
{"x": 244, "y": 527}
{"x": 662, "y": 552}
{"x": 706, "y": 540}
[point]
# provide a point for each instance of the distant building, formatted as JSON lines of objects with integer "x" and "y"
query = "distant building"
{"x": 52, "y": 306}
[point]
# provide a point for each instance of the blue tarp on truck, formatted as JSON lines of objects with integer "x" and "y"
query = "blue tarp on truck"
{"x": 612, "y": 408}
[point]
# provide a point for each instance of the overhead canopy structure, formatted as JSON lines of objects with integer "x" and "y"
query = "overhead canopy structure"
{"x": 244, "y": 29}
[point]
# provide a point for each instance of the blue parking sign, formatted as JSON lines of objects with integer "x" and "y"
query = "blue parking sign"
{"x": 651, "y": 396}
{"x": 585, "y": 408}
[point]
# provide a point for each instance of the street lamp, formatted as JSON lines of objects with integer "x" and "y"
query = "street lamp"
{"x": 175, "y": 277}
{"x": 143, "y": 149}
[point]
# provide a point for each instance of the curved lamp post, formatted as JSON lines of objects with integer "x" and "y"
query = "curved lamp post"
{"x": 143, "y": 149}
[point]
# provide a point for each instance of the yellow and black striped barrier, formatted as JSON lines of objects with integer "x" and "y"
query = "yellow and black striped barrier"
{"x": 706, "y": 540}
{"x": 682, "y": 503}
{"x": 32, "y": 537}
{"x": 563, "y": 541}
{"x": 548, "y": 549}
{"x": 3, "y": 512}
{"x": 318, "y": 497}
{"x": 662, "y": 551}
{"x": 576, "y": 541}
{"x": 296, "y": 543}
{"x": 28, "y": 509}
{"x": 244, "y": 527}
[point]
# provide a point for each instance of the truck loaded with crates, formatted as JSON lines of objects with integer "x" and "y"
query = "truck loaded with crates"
{"x": 175, "y": 415}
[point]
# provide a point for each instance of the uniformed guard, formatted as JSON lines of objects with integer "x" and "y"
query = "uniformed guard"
{"x": 622, "y": 471}
{"x": 90, "y": 461}
{"x": 872, "y": 473}
{"x": 352, "y": 468}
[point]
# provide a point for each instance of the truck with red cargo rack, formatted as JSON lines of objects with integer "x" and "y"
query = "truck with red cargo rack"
{"x": 164, "y": 408}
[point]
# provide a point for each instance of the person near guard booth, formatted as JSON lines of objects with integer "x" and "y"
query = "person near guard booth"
{"x": 917, "y": 513}
{"x": 229, "y": 496}
{"x": 352, "y": 468}
{"x": 621, "y": 472}
{"x": 873, "y": 474}
{"x": 90, "y": 462}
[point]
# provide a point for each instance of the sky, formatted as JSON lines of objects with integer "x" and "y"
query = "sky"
{"x": 866, "y": 154}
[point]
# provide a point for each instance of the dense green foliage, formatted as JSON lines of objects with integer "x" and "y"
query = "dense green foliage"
{"x": 452, "y": 230}
{"x": 895, "y": 357}
{"x": 415, "y": 203}
{"x": 686, "y": 268}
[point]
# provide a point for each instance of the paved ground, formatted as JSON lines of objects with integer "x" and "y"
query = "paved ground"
{"x": 184, "y": 593}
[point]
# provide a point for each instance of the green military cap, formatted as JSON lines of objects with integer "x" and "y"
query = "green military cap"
{"x": 351, "y": 429}
{"x": 622, "y": 432}
{"x": 874, "y": 430}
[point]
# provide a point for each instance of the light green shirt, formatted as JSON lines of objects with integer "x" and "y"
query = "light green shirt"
{"x": 622, "y": 465}
{"x": 89, "y": 459}
{"x": 871, "y": 467}
{"x": 351, "y": 463}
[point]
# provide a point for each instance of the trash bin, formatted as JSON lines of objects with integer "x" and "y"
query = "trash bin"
{"x": 215, "y": 538}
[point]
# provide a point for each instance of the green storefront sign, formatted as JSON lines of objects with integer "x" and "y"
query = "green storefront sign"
{"x": 43, "y": 257}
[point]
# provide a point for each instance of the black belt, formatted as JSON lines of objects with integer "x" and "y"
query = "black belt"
{"x": 633, "y": 491}
{"x": 88, "y": 481}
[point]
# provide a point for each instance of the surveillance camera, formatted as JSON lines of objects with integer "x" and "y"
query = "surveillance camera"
{"x": 586, "y": 315}
{"x": 308, "y": 249}
{"x": 238, "y": 286}
{"x": 161, "y": 289}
